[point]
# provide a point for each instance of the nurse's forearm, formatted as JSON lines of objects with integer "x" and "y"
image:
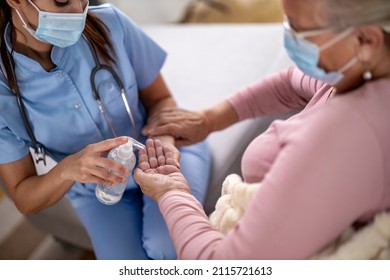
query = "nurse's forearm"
{"x": 166, "y": 139}
{"x": 33, "y": 193}
{"x": 37, "y": 193}
{"x": 164, "y": 103}
{"x": 157, "y": 96}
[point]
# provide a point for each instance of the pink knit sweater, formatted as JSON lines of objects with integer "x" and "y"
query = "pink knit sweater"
{"x": 322, "y": 170}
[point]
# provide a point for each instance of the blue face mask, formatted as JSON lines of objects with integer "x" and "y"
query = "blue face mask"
{"x": 306, "y": 55}
{"x": 58, "y": 29}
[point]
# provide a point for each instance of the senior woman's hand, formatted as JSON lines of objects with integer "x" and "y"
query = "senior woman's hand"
{"x": 188, "y": 127}
{"x": 158, "y": 171}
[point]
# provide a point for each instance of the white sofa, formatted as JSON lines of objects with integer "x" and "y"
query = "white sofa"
{"x": 206, "y": 63}
{"x": 152, "y": 11}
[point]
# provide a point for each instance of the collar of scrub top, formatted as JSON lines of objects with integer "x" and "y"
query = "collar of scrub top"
{"x": 39, "y": 151}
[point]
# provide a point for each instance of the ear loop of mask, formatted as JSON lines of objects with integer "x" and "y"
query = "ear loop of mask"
{"x": 349, "y": 64}
{"x": 35, "y": 6}
{"x": 336, "y": 39}
{"x": 21, "y": 18}
{"x": 28, "y": 28}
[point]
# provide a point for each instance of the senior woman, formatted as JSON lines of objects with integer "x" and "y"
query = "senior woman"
{"x": 322, "y": 170}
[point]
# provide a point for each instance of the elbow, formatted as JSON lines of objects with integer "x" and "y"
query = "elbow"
{"x": 27, "y": 203}
{"x": 25, "y": 208}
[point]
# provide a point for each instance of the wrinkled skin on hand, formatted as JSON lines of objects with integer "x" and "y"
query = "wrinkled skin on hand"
{"x": 188, "y": 127}
{"x": 158, "y": 171}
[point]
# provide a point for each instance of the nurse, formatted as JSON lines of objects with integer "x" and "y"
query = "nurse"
{"x": 50, "y": 101}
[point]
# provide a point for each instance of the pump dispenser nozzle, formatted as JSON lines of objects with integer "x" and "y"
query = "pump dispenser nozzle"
{"x": 137, "y": 144}
{"x": 125, "y": 150}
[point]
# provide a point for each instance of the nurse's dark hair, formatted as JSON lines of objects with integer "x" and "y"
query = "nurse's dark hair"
{"x": 346, "y": 13}
{"x": 95, "y": 30}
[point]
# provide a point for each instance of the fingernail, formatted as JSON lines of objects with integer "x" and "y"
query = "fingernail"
{"x": 124, "y": 139}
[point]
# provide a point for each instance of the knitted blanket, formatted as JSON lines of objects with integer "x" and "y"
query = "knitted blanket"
{"x": 370, "y": 242}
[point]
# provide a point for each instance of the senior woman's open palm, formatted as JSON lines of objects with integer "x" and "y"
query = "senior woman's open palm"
{"x": 159, "y": 171}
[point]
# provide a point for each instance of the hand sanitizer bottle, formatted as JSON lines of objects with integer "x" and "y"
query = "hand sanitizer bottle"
{"x": 124, "y": 155}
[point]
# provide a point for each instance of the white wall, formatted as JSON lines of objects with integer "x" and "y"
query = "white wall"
{"x": 152, "y": 11}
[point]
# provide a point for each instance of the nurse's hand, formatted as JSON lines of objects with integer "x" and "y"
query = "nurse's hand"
{"x": 158, "y": 171}
{"x": 188, "y": 127}
{"x": 89, "y": 165}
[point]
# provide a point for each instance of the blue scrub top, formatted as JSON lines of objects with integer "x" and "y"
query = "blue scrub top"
{"x": 61, "y": 108}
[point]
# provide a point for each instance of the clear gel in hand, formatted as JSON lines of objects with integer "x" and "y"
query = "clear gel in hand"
{"x": 123, "y": 154}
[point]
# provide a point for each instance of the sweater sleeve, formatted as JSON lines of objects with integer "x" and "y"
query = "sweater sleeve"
{"x": 281, "y": 93}
{"x": 324, "y": 178}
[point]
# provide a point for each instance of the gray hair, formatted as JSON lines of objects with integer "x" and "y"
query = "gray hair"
{"x": 346, "y": 13}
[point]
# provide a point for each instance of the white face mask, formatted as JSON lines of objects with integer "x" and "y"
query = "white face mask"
{"x": 306, "y": 55}
{"x": 58, "y": 29}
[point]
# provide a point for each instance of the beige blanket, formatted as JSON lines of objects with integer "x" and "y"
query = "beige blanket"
{"x": 370, "y": 242}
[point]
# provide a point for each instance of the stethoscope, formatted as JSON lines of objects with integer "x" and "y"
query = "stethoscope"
{"x": 39, "y": 151}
